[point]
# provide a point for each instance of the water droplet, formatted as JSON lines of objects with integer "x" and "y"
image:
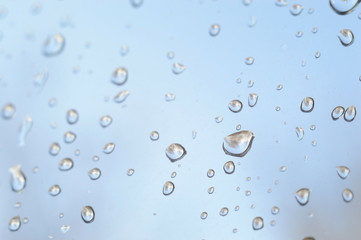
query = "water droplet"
{"x": 247, "y": 2}
{"x": 194, "y": 134}
{"x": 314, "y": 30}
{"x": 72, "y": 116}
{"x": 218, "y": 119}
{"x": 35, "y": 8}
{"x": 279, "y": 87}
{"x": 87, "y": 214}
{"x": 8, "y": 111}
{"x": 249, "y": 60}
{"x": 302, "y": 196}
{"x": 119, "y": 76}
{"x": 173, "y": 175}
{"x": 124, "y": 49}
{"x": 337, "y": 112}
{"x": 307, "y": 104}
{"x": 283, "y": 169}
{"x": 130, "y": 172}
{"x": 224, "y": 211}
{"x": 281, "y": 3}
{"x": 18, "y": 179}
{"x": 257, "y": 223}
{"x": 343, "y": 7}
{"x": 347, "y": 195}
{"x": 94, "y": 173}
{"x": 65, "y": 164}
{"x": 204, "y": 215}
{"x": 236, "y": 208}
{"x": 311, "y": 10}
{"x": 234, "y": 230}
{"x": 170, "y": 55}
{"x": 40, "y": 79}
{"x": 64, "y": 229}
{"x": 154, "y": 136}
{"x": 296, "y": 9}
{"x": 214, "y": 30}
{"x": 168, "y": 188}
{"x": 250, "y": 83}
{"x": 175, "y": 152}
{"x": 25, "y": 220}
{"x": 350, "y": 114}
{"x": 342, "y": 171}
{"x": 252, "y": 21}
{"x": 235, "y": 106}
{"x": 54, "y": 149}
{"x": 238, "y": 127}
{"x": 169, "y": 97}
{"x": 229, "y": 167}
{"x": 313, "y": 127}
{"x": 69, "y": 137}
{"x": 210, "y": 173}
{"x": 108, "y": 148}
{"x": 211, "y": 190}
{"x": 25, "y": 128}
{"x": 247, "y": 193}
{"x": 14, "y": 223}
{"x": 53, "y": 45}
{"x": 52, "y": 102}
{"x": 178, "y": 68}
{"x": 77, "y": 152}
{"x": 299, "y": 34}
{"x": 136, "y": 3}
{"x": 309, "y": 238}
{"x": 300, "y": 133}
{"x": 121, "y": 96}
{"x": 252, "y": 99}
{"x": 61, "y": 215}
{"x": 275, "y": 210}
{"x": 105, "y": 121}
{"x": 238, "y": 144}
{"x": 17, "y": 205}
{"x": 54, "y": 190}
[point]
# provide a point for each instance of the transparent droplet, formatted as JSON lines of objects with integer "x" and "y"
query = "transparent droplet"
{"x": 121, "y": 96}
{"x": 40, "y": 79}
{"x": 54, "y": 190}
{"x": 18, "y": 179}
{"x": 8, "y": 111}
{"x": 136, "y": 3}
{"x": 273, "y": 222}
{"x": 275, "y": 210}
{"x": 347, "y": 195}
{"x": 173, "y": 175}
{"x": 204, "y": 215}
{"x": 229, "y": 167}
{"x": 279, "y": 87}
{"x": 95, "y": 158}
{"x": 313, "y": 127}
{"x": 61, "y": 215}
{"x": 211, "y": 190}
{"x": 169, "y": 97}
{"x": 175, "y": 152}
{"x": 72, "y": 116}
{"x": 252, "y": 99}
{"x": 283, "y": 169}
{"x": 214, "y": 30}
{"x": 69, "y": 137}
{"x": 168, "y": 188}
{"x": 250, "y": 83}
{"x": 350, "y": 114}
{"x": 248, "y": 193}
{"x": 235, "y": 106}
{"x": 210, "y": 173}
{"x": 119, "y": 76}
{"x": 64, "y": 229}
{"x": 170, "y": 55}
{"x": 54, "y": 149}
{"x": 343, "y": 7}
{"x": 17, "y": 205}
{"x": 236, "y": 208}
{"x": 87, "y": 214}
{"x": 343, "y": 171}
{"x": 238, "y": 144}
{"x": 94, "y": 173}
{"x": 302, "y": 196}
{"x": 299, "y": 34}
{"x": 53, "y": 45}
{"x": 154, "y": 136}
{"x": 257, "y": 223}
{"x": 108, "y": 148}
{"x": 52, "y": 102}
{"x": 249, "y": 60}
{"x": 25, "y": 128}
{"x": 65, "y": 164}
{"x": 194, "y": 134}
{"x": 238, "y": 127}
{"x": 311, "y": 10}
{"x": 218, "y": 119}
{"x": 247, "y": 2}
{"x": 223, "y": 212}
{"x": 309, "y": 238}
{"x": 307, "y": 104}
{"x": 25, "y": 220}
{"x": 317, "y": 54}
{"x": 337, "y": 112}
{"x": 314, "y": 30}
{"x": 296, "y": 9}
{"x": 130, "y": 172}
{"x": 124, "y": 49}
{"x": 77, "y": 152}
{"x": 234, "y": 230}
{"x": 178, "y": 68}
{"x": 14, "y": 223}
{"x": 105, "y": 121}
{"x": 300, "y": 133}
{"x": 252, "y": 21}
{"x": 281, "y": 3}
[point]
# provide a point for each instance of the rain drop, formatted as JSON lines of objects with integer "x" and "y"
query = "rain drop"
{"x": 214, "y": 30}
{"x": 105, "y": 121}
{"x": 343, "y": 7}
{"x": 154, "y": 136}
{"x": 175, "y": 152}
{"x": 168, "y": 188}
{"x": 53, "y": 45}
{"x": 211, "y": 190}
{"x": 108, "y": 148}
{"x": 249, "y": 60}
{"x": 130, "y": 172}
{"x": 65, "y": 164}
{"x": 218, "y": 119}
{"x": 307, "y": 104}
{"x": 302, "y": 196}
{"x": 64, "y": 229}
{"x": 121, "y": 96}
{"x": 350, "y": 114}
{"x": 119, "y": 76}
{"x": 252, "y": 99}
{"x": 69, "y": 137}
{"x": 229, "y": 167}
{"x": 94, "y": 173}
{"x": 223, "y": 212}
{"x": 87, "y": 214}
{"x": 296, "y": 9}
{"x": 342, "y": 171}
{"x": 347, "y": 195}
{"x": 136, "y": 3}
{"x": 8, "y": 111}
{"x": 281, "y": 3}
{"x": 72, "y": 116}
{"x": 250, "y": 83}
{"x": 257, "y": 223}
{"x": 300, "y": 133}
{"x": 238, "y": 144}
{"x": 275, "y": 210}
{"x": 25, "y": 128}
{"x": 54, "y": 149}
{"x": 18, "y": 179}
{"x": 178, "y": 68}
{"x": 337, "y": 112}
{"x": 204, "y": 215}
{"x": 14, "y": 223}
{"x": 54, "y": 190}
{"x": 169, "y": 97}
{"x": 210, "y": 173}
{"x": 235, "y": 106}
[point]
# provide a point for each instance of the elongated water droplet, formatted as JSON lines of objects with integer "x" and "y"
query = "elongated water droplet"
{"x": 121, "y": 96}
{"x": 65, "y": 164}
{"x": 281, "y": 3}
{"x": 108, "y": 148}
{"x": 178, "y": 68}
{"x": 342, "y": 171}
{"x": 69, "y": 137}
{"x": 347, "y": 195}
{"x": 8, "y": 111}
{"x": 214, "y": 30}
{"x": 94, "y": 173}
{"x": 54, "y": 149}
{"x": 223, "y": 212}
{"x": 105, "y": 121}
{"x": 300, "y": 133}
{"x": 204, "y": 215}
{"x": 252, "y": 99}
{"x": 14, "y": 223}
{"x": 154, "y": 136}
{"x": 229, "y": 167}
{"x": 238, "y": 144}
{"x": 296, "y": 9}
{"x": 119, "y": 76}
{"x": 54, "y": 190}
{"x": 249, "y": 60}
{"x": 194, "y": 134}
{"x": 72, "y": 116}
{"x": 175, "y": 152}
{"x": 314, "y": 30}
{"x": 337, "y": 112}
{"x": 235, "y": 106}
{"x": 343, "y": 7}
{"x": 64, "y": 229}
{"x": 302, "y": 196}
{"x": 307, "y": 104}
{"x": 350, "y": 114}
{"x": 169, "y": 97}
{"x": 25, "y": 128}
{"x": 346, "y": 37}
{"x": 275, "y": 210}
{"x": 257, "y": 223}
{"x": 53, "y": 45}
{"x": 18, "y": 179}
{"x": 168, "y": 188}
{"x": 87, "y": 214}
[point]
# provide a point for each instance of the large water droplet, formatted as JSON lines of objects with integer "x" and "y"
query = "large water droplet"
{"x": 8, "y": 111}
{"x": 347, "y": 195}
{"x": 223, "y": 212}
{"x": 54, "y": 190}
{"x": 350, "y": 114}
{"x": 121, "y": 96}
{"x": 178, "y": 68}
{"x": 18, "y": 179}
{"x": 175, "y": 152}
{"x": 69, "y": 137}
{"x": 337, "y": 112}
{"x": 14, "y": 223}
{"x": 54, "y": 149}
{"x": 168, "y": 188}
{"x": 108, "y": 148}
{"x": 204, "y": 215}
{"x": 72, "y": 116}
{"x": 119, "y": 76}
{"x": 105, "y": 121}
{"x": 343, "y": 7}
{"x": 296, "y": 9}
{"x": 65, "y": 164}
{"x": 257, "y": 223}
{"x": 214, "y": 30}
{"x": 25, "y": 128}
{"x": 249, "y": 60}
{"x": 229, "y": 167}
{"x": 238, "y": 144}
{"x": 302, "y": 196}
{"x": 94, "y": 173}
{"x": 87, "y": 214}
{"x": 235, "y": 106}
{"x": 307, "y": 104}
{"x": 300, "y": 133}
{"x": 53, "y": 45}
{"x": 346, "y": 37}
{"x": 342, "y": 171}
{"x": 252, "y": 99}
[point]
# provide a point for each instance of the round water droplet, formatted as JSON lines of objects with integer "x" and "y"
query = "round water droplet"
{"x": 236, "y": 208}
{"x": 105, "y": 121}
{"x": 53, "y": 45}
{"x": 119, "y": 76}
{"x": 249, "y": 60}
{"x": 350, "y": 114}
{"x": 204, "y": 215}
{"x": 347, "y": 195}
{"x": 210, "y": 173}
{"x": 235, "y": 106}
{"x": 8, "y": 111}
{"x": 229, "y": 167}
{"x": 342, "y": 171}
{"x": 313, "y": 127}
{"x": 25, "y": 220}
{"x": 317, "y": 55}
{"x": 168, "y": 188}
{"x": 61, "y": 215}
{"x": 252, "y": 99}
{"x": 94, "y": 173}
{"x": 175, "y": 152}
{"x": 314, "y": 30}
{"x": 281, "y": 3}
{"x": 18, "y": 179}
{"x": 121, "y": 96}
{"x": 52, "y": 102}
{"x": 296, "y": 9}
{"x": 17, "y": 205}
{"x": 300, "y": 133}
{"x": 54, "y": 149}
{"x": 275, "y": 210}
{"x": 214, "y": 30}
{"x": 95, "y": 158}
{"x": 136, "y": 3}
{"x": 307, "y": 104}
{"x": 337, "y": 112}
{"x": 64, "y": 229}
{"x": 154, "y": 136}
{"x": 54, "y": 190}
{"x": 170, "y": 55}
{"x": 299, "y": 34}
{"x": 87, "y": 214}
{"x": 130, "y": 172}
{"x": 65, "y": 164}
{"x": 273, "y": 223}
{"x": 302, "y": 196}
{"x": 77, "y": 152}
{"x": 238, "y": 144}
{"x": 248, "y": 193}
{"x": 69, "y": 137}
{"x": 218, "y": 119}
{"x": 211, "y": 190}
{"x": 108, "y": 148}
{"x": 238, "y": 127}
{"x": 14, "y": 224}
{"x": 72, "y": 116}
{"x": 173, "y": 175}
{"x": 178, "y": 68}
{"x": 257, "y": 223}
{"x": 169, "y": 97}
{"x": 343, "y": 7}
{"x": 223, "y": 212}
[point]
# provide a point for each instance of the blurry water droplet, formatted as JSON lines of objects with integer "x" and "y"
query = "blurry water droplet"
{"x": 8, "y": 111}
{"x": 252, "y": 99}
{"x": 17, "y": 205}
{"x": 95, "y": 158}
{"x": 72, "y": 116}
{"x": 279, "y": 87}
{"x": 94, "y": 173}
{"x": 250, "y": 83}
{"x": 337, "y": 112}
{"x": 281, "y": 3}
{"x": 342, "y": 171}
{"x": 257, "y": 223}
{"x": 275, "y": 210}
{"x": 314, "y": 30}
{"x": 173, "y": 175}
{"x": 238, "y": 127}
{"x": 300, "y": 133}
{"x": 52, "y": 102}
{"x": 87, "y": 214}
{"x": 234, "y": 230}
{"x": 247, "y": 2}
{"x": 40, "y": 79}
{"x": 61, "y": 215}
{"x": 168, "y": 188}
{"x": 14, "y": 223}
{"x": 302, "y": 196}
{"x": 136, "y": 3}
{"x": 236, "y": 208}
{"x": 170, "y": 55}
{"x": 25, "y": 128}
{"x": 350, "y": 114}
{"x": 54, "y": 149}
{"x": 210, "y": 190}
{"x": 223, "y": 212}
{"x": 252, "y": 21}
{"x": 214, "y": 30}
{"x": 204, "y": 215}
{"x": 64, "y": 229}
{"x": 54, "y": 190}
{"x": 235, "y": 106}
{"x": 309, "y": 238}
{"x": 178, "y": 68}
{"x": 299, "y": 34}
{"x": 130, "y": 172}
{"x": 218, "y": 119}
{"x": 154, "y": 136}
{"x": 69, "y": 137}
{"x": 229, "y": 167}
{"x": 105, "y": 121}
{"x": 249, "y": 60}
{"x": 77, "y": 152}
{"x": 247, "y": 193}
{"x": 108, "y": 148}
{"x": 210, "y": 173}
{"x": 313, "y": 127}
{"x": 343, "y": 7}
{"x": 119, "y": 76}
{"x": 25, "y": 220}
{"x": 317, "y": 54}
{"x": 296, "y": 9}
{"x": 311, "y": 10}
{"x": 238, "y": 144}
{"x": 307, "y": 104}
{"x": 175, "y": 152}
{"x": 124, "y": 49}
{"x": 347, "y": 195}
{"x": 273, "y": 222}
{"x": 283, "y": 169}
{"x": 194, "y": 134}
{"x": 18, "y": 179}
{"x": 65, "y": 164}
{"x": 121, "y": 96}
{"x": 169, "y": 97}
{"x": 53, "y": 45}
{"x": 238, "y": 80}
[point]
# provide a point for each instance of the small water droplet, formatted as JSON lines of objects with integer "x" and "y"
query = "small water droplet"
{"x": 238, "y": 80}
{"x": 279, "y": 87}
{"x": 69, "y": 137}
{"x": 119, "y": 76}
{"x": 350, "y": 114}
{"x": 121, "y": 96}
{"x": 53, "y": 45}
{"x": 249, "y": 60}
{"x": 314, "y": 30}
{"x": 95, "y": 158}
{"x": 247, "y": 2}
{"x": 25, "y": 128}
{"x": 281, "y": 3}
{"x": 229, "y": 167}
{"x": 173, "y": 175}
{"x": 296, "y": 9}
{"x": 317, "y": 55}
{"x": 257, "y": 223}
{"x": 238, "y": 127}
{"x": 337, "y": 112}
{"x": 54, "y": 149}
{"x": 108, "y": 148}
{"x": 275, "y": 210}
{"x": 299, "y": 34}
{"x": 77, "y": 152}
{"x": 313, "y": 127}
{"x": 204, "y": 215}
{"x": 18, "y": 179}
{"x": 210, "y": 173}
{"x": 178, "y": 68}
{"x": 302, "y": 196}
{"x": 234, "y": 230}
{"x": 223, "y": 212}
{"x": 307, "y": 104}
{"x": 136, "y": 3}
{"x": 238, "y": 144}
{"x": 61, "y": 215}
{"x": 247, "y": 193}
{"x": 283, "y": 169}
{"x": 52, "y": 102}
{"x": 252, "y": 99}
{"x": 273, "y": 223}
{"x": 194, "y": 134}
{"x": 105, "y": 121}
{"x": 124, "y": 49}
{"x": 235, "y": 106}
{"x": 170, "y": 55}
{"x": 300, "y": 133}
{"x": 130, "y": 172}
{"x": 64, "y": 229}
{"x": 218, "y": 119}
{"x": 8, "y": 111}
{"x": 154, "y": 136}
{"x": 252, "y": 21}
{"x": 72, "y": 116}
{"x": 17, "y": 205}
{"x": 87, "y": 214}
{"x": 94, "y": 173}
{"x": 65, "y": 164}
{"x": 342, "y": 171}
{"x": 14, "y": 223}
{"x": 250, "y": 83}
{"x": 25, "y": 220}
{"x": 236, "y": 208}
{"x": 175, "y": 152}
{"x": 211, "y": 190}
{"x": 54, "y": 190}
{"x": 347, "y": 195}
{"x": 343, "y": 7}
{"x": 168, "y": 188}
{"x": 169, "y": 97}
{"x": 214, "y": 30}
